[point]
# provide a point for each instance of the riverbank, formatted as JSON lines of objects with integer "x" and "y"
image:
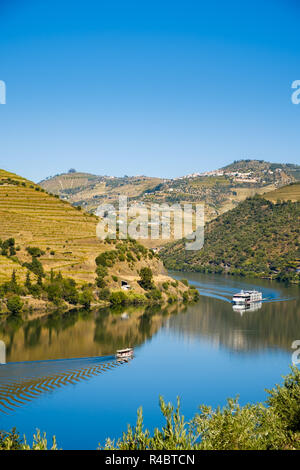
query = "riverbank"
{"x": 62, "y": 294}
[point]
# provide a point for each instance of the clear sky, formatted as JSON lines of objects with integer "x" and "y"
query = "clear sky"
{"x": 154, "y": 87}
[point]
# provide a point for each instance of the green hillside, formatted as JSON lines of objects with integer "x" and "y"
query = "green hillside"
{"x": 257, "y": 238}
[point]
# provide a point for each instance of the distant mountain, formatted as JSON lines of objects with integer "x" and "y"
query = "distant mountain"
{"x": 88, "y": 190}
{"x": 219, "y": 190}
{"x": 257, "y": 238}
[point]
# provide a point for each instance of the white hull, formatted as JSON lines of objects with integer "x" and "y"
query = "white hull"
{"x": 247, "y": 297}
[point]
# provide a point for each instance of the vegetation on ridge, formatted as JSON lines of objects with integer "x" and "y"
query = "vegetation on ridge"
{"x": 257, "y": 238}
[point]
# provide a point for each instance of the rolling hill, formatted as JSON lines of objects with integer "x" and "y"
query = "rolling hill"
{"x": 88, "y": 190}
{"x": 220, "y": 190}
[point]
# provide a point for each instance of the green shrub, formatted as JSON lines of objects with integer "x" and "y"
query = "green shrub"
{"x": 285, "y": 400}
{"x": 146, "y": 277}
{"x": 104, "y": 294}
{"x": 35, "y": 251}
{"x": 154, "y": 295}
{"x": 35, "y": 266}
{"x": 118, "y": 298}
{"x": 86, "y": 298}
{"x": 14, "y": 304}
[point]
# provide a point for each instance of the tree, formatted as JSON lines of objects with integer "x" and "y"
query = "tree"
{"x": 118, "y": 298}
{"x": 146, "y": 276}
{"x": 35, "y": 251}
{"x": 28, "y": 281}
{"x": 85, "y": 298}
{"x": 13, "y": 285}
{"x": 285, "y": 400}
{"x": 14, "y": 304}
{"x": 40, "y": 280}
{"x": 35, "y": 266}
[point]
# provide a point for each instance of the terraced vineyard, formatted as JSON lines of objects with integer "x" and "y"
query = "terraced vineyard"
{"x": 290, "y": 192}
{"x": 88, "y": 190}
{"x": 65, "y": 234}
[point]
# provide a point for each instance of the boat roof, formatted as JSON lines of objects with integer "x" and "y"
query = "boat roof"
{"x": 124, "y": 350}
{"x": 245, "y": 292}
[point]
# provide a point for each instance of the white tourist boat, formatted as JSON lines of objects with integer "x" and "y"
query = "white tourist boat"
{"x": 125, "y": 354}
{"x": 246, "y": 297}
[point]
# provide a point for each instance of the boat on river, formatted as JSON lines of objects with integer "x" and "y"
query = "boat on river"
{"x": 124, "y": 354}
{"x": 246, "y": 297}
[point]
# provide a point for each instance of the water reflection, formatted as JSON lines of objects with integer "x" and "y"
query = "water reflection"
{"x": 252, "y": 307}
{"x": 39, "y": 350}
{"x": 273, "y": 325}
{"x": 79, "y": 333}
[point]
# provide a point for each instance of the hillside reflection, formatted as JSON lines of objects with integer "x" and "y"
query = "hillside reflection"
{"x": 100, "y": 333}
{"x": 80, "y": 333}
{"x": 274, "y": 325}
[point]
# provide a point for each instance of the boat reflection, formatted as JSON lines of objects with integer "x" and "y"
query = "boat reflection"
{"x": 251, "y": 307}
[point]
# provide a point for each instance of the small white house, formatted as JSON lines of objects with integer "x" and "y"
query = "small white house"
{"x": 125, "y": 285}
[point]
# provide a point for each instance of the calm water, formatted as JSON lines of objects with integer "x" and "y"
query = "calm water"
{"x": 204, "y": 353}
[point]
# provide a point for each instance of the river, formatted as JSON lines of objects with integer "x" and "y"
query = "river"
{"x": 62, "y": 378}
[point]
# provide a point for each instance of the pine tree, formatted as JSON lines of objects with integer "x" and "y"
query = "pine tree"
{"x": 28, "y": 280}
{"x": 40, "y": 280}
{"x": 13, "y": 285}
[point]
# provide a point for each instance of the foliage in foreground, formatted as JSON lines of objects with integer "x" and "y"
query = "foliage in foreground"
{"x": 251, "y": 427}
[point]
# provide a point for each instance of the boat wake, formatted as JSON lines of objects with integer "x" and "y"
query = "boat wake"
{"x": 21, "y": 383}
{"x": 223, "y": 288}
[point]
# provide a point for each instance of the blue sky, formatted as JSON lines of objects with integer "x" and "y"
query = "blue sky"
{"x": 162, "y": 88}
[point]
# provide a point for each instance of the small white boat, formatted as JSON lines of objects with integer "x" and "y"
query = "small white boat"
{"x": 125, "y": 354}
{"x": 247, "y": 297}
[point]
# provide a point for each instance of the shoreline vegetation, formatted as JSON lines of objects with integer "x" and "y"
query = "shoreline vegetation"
{"x": 273, "y": 425}
{"x": 45, "y": 292}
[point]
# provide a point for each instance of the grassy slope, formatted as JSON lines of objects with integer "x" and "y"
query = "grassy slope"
{"x": 35, "y": 218}
{"x": 290, "y": 192}
{"x": 256, "y": 238}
